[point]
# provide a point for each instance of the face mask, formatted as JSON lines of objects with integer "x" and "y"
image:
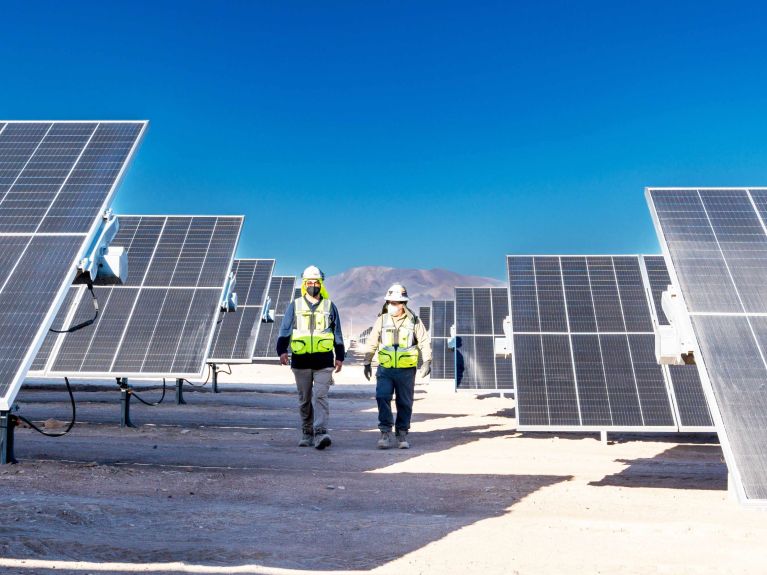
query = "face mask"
{"x": 393, "y": 309}
{"x": 313, "y": 291}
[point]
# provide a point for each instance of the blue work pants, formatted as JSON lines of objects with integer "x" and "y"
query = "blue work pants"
{"x": 391, "y": 381}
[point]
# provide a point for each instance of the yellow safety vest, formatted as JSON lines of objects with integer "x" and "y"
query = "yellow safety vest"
{"x": 312, "y": 332}
{"x": 397, "y": 347}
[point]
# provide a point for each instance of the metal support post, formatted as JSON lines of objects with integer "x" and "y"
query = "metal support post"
{"x": 603, "y": 437}
{"x": 125, "y": 393}
{"x": 8, "y": 422}
{"x": 214, "y": 377}
{"x": 180, "y": 392}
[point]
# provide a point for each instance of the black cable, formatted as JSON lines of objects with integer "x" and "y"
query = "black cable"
{"x": 225, "y": 372}
{"x": 152, "y": 404}
{"x": 85, "y": 323}
{"x": 203, "y": 384}
{"x": 71, "y": 423}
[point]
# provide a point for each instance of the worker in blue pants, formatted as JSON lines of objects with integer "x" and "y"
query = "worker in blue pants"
{"x": 397, "y": 339}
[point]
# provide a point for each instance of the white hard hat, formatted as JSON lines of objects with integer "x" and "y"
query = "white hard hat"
{"x": 397, "y": 292}
{"x": 313, "y": 273}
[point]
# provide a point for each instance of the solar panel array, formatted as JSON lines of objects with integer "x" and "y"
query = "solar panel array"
{"x": 237, "y": 332}
{"x": 281, "y": 292}
{"x": 583, "y": 345}
{"x": 693, "y": 411}
{"x": 716, "y": 246}
{"x": 56, "y": 179}
{"x": 479, "y": 315}
{"x": 443, "y": 358}
{"x": 160, "y": 321}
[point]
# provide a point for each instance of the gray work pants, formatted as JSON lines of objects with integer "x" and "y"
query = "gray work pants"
{"x": 313, "y": 387}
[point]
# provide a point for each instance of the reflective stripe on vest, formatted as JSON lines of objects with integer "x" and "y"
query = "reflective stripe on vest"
{"x": 312, "y": 332}
{"x": 397, "y": 346}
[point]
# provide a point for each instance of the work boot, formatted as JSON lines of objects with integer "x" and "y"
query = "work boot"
{"x": 385, "y": 441}
{"x": 307, "y": 438}
{"x": 321, "y": 439}
{"x": 402, "y": 441}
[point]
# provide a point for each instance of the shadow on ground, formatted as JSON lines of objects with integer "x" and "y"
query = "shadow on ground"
{"x": 680, "y": 467}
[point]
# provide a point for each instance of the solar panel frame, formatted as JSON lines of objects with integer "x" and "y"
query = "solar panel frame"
{"x": 150, "y": 292}
{"x": 554, "y": 342}
{"x": 22, "y": 367}
{"x": 245, "y": 311}
{"x": 737, "y": 483}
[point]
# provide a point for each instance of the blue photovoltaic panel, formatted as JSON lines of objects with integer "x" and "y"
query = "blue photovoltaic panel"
{"x": 160, "y": 322}
{"x": 281, "y": 293}
{"x": 424, "y": 312}
{"x": 688, "y": 390}
{"x": 443, "y": 358}
{"x": 479, "y": 315}
{"x": 584, "y": 345}
{"x": 237, "y": 332}
{"x": 56, "y": 180}
{"x": 715, "y": 242}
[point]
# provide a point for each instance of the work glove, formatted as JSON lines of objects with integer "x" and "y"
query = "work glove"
{"x": 368, "y": 371}
{"x": 426, "y": 368}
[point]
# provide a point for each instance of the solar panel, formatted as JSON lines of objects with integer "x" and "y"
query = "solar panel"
{"x": 584, "y": 356}
{"x": 56, "y": 180}
{"x": 160, "y": 322}
{"x": 281, "y": 293}
{"x": 296, "y": 293}
{"x": 236, "y": 333}
{"x": 443, "y": 358}
{"x": 362, "y": 339}
{"x": 479, "y": 315}
{"x": 715, "y": 245}
{"x": 424, "y": 313}
{"x": 693, "y": 412}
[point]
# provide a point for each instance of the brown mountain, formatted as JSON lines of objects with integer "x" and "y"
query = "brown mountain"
{"x": 359, "y": 292}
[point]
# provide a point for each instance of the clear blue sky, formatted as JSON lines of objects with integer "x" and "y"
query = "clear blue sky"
{"x": 410, "y": 134}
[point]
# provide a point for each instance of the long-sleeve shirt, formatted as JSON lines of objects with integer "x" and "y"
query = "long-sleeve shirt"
{"x": 311, "y": 360}
{"x": 423, "y": 341}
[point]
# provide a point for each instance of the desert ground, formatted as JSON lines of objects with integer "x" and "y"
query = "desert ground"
{"x": 219, "y": 486}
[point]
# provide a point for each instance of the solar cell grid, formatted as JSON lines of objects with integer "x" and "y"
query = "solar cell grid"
{"x": 237, "y": 333}
{"x": 479, "y": 318}
{"x": 281, "y": 292}
{"x": 425, "y": 314}
{"x": 151, "y": 325}
{"x": 691, "y": 400}
{"x": 590, "y": 364}
{"x": 443, "y": 358}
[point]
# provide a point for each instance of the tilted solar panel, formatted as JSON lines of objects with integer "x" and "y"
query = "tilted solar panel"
{"x": 583, "y": 345}
{"x": 237, "y": 332}
{"x": 281, "y": 293}
{"x": 715, "y": 245}
{"x": 443, "y": 358}
{"x": 479, "y": 315}
{"x": 56, "y": 181}
{"x": 690, "y": 398}
{"x": 425, "y": 314}
{"x": 160, "y": 322}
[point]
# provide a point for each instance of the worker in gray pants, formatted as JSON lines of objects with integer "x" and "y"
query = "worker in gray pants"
{"x": 311, "y": 330}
